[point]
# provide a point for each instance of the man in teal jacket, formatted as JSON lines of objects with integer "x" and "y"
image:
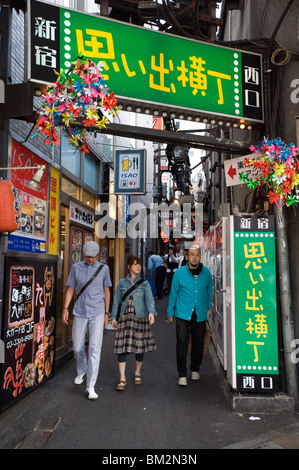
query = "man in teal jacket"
{"x": 189, "y": 301}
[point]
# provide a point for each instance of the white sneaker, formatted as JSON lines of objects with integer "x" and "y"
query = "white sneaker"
{"x": 182, "y": 381}
{"x": 79, "y": 379}
{"x": 195, "y": 375}
{"x": 91, "y": 394}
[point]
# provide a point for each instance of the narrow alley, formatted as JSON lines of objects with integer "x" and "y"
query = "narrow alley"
{"x": 156, "y": 415}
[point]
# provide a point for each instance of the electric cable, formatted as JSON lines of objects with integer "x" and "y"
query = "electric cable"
{"x": 285, "y": 61}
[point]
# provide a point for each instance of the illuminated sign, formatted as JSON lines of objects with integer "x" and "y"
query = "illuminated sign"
{"x": 129, "y": 172}
{"x": 146, "y": 66}
{"x": 257, "y": 365}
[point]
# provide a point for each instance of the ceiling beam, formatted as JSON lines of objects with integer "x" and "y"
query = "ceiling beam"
{"x": 175, "y": 138}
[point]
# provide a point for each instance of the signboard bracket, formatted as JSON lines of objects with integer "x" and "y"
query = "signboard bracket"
{"x": 175, "y": 138}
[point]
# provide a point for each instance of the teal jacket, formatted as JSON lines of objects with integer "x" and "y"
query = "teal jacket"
{"x": 144, "y": 302}
{"x": 188, "y": 293}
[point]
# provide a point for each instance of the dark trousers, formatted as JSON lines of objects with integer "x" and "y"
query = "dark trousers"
{"x": 159, "y": 280}
{"x": 183, "y": 329}
{"x": 169, "y": 277}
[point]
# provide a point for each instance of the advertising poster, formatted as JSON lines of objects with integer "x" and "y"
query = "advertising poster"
{"x": 28, "y": 332}
{"x": 30, "y": 235}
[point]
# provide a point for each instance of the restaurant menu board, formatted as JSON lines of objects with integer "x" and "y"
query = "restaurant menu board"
{"x": 28, "y": 329}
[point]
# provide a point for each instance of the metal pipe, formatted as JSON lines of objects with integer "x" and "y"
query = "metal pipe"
{"x": 286, "y": 302}
{"x": 172, "y": 137}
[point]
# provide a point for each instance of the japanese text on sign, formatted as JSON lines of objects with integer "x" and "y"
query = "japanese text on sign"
{"x": 160, "y": 68}
{"x": 256, "y": 322}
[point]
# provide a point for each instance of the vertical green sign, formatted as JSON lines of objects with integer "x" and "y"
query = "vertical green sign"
{"x": 255, "y": 305}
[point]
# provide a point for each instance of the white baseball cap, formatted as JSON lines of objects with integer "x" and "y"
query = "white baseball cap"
{"x": 91, "y": 249}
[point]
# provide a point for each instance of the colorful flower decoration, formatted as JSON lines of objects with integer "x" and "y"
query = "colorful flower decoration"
{"x": 276, "y": 165}
{"x": 67, "y": 99}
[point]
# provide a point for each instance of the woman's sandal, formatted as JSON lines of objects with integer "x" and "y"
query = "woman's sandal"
{"x": 121, "y": 385}
{"x": 137, "y": 380}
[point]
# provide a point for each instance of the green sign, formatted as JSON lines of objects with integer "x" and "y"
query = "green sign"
{"x": 255, "y": 303}
{"x": 147, "y": 66}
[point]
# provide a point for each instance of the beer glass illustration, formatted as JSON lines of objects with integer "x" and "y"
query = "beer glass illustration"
{"x": 126, "y": 163}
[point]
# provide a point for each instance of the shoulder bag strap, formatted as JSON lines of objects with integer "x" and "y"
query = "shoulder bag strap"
{"x": 126, "y": 295}
{"x": 90, "y": 280}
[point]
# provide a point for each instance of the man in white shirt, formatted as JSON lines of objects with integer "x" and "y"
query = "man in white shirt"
{"x": 91, "y": 312}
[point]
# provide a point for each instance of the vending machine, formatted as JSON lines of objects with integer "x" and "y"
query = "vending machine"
{"x": 217, "y": 314}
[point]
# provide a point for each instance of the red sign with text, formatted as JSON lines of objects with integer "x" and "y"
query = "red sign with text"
{"x": 20, "y": 157}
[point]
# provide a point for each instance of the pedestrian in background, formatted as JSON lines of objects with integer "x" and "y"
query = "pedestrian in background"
{"x": 158, "y": 270}
{"x": 136, "y": 314}
{"x": 184, "y": 258}
{"x": 91, "y": 313}
{"x": 172, "y": 264}
{"x": 178, "y": 250}
{"x": 189, "y": 301}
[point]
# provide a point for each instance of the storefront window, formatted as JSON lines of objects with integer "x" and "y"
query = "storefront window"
{"x": 63, "y": 333}
{"x": 91, "y": 172}
{"x": 89, "y": 199}
{"x": 70, "y": 188}
{"x": 70, "y": 158}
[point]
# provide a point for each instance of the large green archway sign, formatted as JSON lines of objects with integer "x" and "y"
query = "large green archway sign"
{"x": 146, "y": 66}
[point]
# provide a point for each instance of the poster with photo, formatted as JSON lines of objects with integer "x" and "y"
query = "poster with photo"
{"x": 28, "y": 332}
{"x": 30, "y": 235}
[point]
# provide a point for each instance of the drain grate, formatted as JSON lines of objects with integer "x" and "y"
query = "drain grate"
{"x": 41, "y": 433}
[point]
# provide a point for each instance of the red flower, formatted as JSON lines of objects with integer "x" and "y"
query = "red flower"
{"x": 273, "y": 196}
{"x": 89, "y": 122}
{"x": 85, "y": 148}
{"x": 109, "y": 102}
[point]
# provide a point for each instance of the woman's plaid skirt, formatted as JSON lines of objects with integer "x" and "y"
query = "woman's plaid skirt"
{"x": 133, "y": 334}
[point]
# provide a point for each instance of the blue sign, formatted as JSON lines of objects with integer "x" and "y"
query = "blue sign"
{"x": 19, "y": 243}
{"x": 129, "y": 172}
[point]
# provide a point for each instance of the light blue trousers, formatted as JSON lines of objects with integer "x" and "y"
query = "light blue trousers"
{"x": 90, "y": 366}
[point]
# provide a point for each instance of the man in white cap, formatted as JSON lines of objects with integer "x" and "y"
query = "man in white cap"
{"x": 91, "y": 312}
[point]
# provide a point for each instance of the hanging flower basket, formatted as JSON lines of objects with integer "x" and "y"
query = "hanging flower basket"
{"x": 68, "y": 99}
{"x": 277, "y": 167}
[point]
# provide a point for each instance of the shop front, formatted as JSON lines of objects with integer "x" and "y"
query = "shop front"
{"x": 28, "y": 324}
{"x": 56, "y": 217}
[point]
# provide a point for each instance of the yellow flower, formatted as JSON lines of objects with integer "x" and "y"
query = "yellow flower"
{"x": 74, "y": 140}
{"x": 279, "y": 169}
{"x": 92, "y": 113}
{"x": 102, "y": 123}
{"x": 295, "y": 181}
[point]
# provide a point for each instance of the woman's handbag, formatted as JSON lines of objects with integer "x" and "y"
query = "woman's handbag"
{"x": 128, "y": 292}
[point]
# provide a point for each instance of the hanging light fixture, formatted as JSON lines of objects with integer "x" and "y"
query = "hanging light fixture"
{"x": 35, "y": 181}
